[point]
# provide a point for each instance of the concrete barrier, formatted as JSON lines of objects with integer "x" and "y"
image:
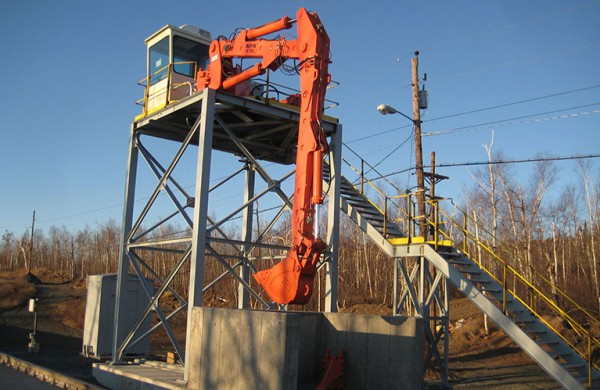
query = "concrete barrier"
{"x": 241, "y": 349}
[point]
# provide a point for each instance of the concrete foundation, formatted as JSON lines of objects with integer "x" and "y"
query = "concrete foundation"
{"x": 145, "y": 375}
{"x": 244, "y": 349}
{"x": 240, "y": 349}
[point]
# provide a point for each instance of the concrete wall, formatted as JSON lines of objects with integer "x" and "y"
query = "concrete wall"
{"x": 239, "y": 349}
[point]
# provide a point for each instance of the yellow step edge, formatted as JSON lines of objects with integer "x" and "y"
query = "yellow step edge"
{"x": 417, "y": 240}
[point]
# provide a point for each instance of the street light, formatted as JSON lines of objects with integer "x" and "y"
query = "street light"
{"x": 385, "y": 109}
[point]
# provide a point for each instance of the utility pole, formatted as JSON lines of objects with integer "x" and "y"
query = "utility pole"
{"x": 418, "y": 148}
{"x": 31, "y": 244}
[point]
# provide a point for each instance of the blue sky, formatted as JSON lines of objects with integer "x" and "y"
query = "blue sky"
{"x": 69, "y": 73}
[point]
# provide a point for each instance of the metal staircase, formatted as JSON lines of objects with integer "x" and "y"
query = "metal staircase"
{"x": 533, "y": 336}
{"x": 564, "y": 361}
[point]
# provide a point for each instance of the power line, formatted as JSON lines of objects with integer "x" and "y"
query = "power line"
{"x": 484, "y": 125}
{"x": 392, "y": 152}
{"x": 512, "y": 103}
{"x": 376, "y": 134}
{"x": 517, "y": 161}
{"x": 502, "y": 105}
{"x": 511, "y": 121}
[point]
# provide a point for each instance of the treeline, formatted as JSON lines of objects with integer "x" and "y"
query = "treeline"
{"x": 552, "y": 241}
{"x": 557, "y": 239}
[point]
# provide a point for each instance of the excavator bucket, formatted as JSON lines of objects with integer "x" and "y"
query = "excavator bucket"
{"x": 286, "y": 282}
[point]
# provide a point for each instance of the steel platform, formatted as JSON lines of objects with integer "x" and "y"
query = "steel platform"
{"x": 267, "y": 128}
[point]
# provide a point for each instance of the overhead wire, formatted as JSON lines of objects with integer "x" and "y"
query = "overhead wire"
{"x": 476, "y": 111}
{"x": 497, "y": 162}
{"x": 512, "y": 103}
{"x": 517, "y": 119}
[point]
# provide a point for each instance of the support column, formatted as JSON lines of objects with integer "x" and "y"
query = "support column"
{"x": 243, "y": 294}
{"x": 446, "y": 320}
{"x": 422, "y": 291}
{"x": 333, "y": 221}
{"x": 395, "y": 287}
{"x": 119, "y": 330}
{"x": 205, "y": 137}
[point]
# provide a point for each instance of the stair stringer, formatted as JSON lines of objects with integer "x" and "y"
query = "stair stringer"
{"x": 511, "y": 329}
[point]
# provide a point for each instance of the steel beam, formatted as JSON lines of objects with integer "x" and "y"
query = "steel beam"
{"x": 243, "y": 294}
{"x": 333, "y": 221}
{"x": 205, "y": 138}
{"x": 119, "y": 330}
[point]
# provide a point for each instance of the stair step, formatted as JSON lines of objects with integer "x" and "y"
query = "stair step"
{"x": 352, "y": 194}
{"x": 458, "y": 261}
{"x": 573, "y": 366}
{"x": 390, "y": 228}
{"x": 449, "y": 254}
{"x": 370, "y": 211}
{"x": 526, "y": 320}
{"x": 362, "y": 203}
{"x": 538, "y": 331}
{"x": 547, "y": 342}
{"x": 346, "y": 191}
{"x": 480, "y": 280}
{"x": 584, "y": 378}
{"x": 376, "y": 216}
{"x": 492, "y": 289}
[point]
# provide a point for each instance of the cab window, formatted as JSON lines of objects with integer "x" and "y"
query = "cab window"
{"x": 188, "y": 56}
{"x": 159, "y": 61}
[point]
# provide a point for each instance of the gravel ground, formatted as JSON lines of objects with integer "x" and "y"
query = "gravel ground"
{"x": 476, "y": 362}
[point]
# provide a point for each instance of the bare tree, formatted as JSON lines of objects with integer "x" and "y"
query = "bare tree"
{"x": 591, "y": 202}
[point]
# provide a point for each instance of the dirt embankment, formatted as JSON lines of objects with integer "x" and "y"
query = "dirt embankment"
{"x": 478, "y": 359}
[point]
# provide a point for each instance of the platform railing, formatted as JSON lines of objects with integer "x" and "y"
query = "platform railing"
{"x": 170, "y": 86}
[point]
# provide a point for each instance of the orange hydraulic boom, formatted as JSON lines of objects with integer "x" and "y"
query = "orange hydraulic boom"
{"x": 291, "y": 280}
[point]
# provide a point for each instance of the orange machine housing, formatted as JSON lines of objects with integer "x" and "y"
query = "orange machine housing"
{"x": 291, "y": 280}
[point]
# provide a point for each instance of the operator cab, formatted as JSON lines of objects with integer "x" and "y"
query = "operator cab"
{"x": 174, "y": 55}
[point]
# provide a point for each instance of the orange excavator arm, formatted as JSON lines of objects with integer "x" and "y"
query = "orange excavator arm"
{"x": 291, "y": 280}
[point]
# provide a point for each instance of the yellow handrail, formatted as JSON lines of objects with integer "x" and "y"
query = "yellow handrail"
{"x": 145, "y": 82}
{"x": 442, "y": 236}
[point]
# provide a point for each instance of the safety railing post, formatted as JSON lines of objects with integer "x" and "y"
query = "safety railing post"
{"x": 169, "y": 81}
{"x": 531, "y": 299}
{"x": 504, "y": 286}
{"x": 589, "y": 356}
{"x": 146, "y": 96}
{"x": 409, "y": 210}
{"x": 385, "y": 215}
{"x": 464, "y": 232}
{"x": 436, "y": 222}
{"x": 362, "y": 176}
